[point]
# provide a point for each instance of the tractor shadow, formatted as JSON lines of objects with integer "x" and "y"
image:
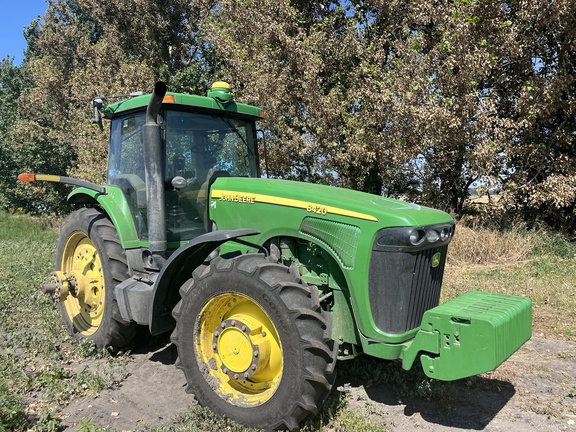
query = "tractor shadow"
{"x": 158, "y": 349}
{"x": 410, "y": 397}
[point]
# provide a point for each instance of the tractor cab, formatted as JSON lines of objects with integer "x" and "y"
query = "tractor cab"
{"x": 201, "y": 139}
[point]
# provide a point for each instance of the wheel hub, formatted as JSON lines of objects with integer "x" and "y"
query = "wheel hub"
{"x": 58, "y": 287}
{"x": 233, "y": 342}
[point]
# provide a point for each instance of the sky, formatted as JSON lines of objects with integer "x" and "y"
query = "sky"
{"x": 15, "y": 15}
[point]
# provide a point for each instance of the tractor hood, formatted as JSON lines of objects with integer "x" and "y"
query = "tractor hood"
{"x": 324, "y": 201}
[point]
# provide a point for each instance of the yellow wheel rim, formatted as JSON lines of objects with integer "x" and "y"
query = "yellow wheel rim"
{"x": 240, "y": 347}
{"x": 82, "y": 267}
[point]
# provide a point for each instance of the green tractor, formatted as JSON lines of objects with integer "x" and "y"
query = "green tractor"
{"x": 264, "y": 283}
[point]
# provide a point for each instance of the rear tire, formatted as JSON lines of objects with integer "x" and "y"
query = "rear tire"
{"x": 253, "y": 342}
{"x": 89, "y": 249}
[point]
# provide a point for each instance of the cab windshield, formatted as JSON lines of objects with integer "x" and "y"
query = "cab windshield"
{"x": 197, "y": 148}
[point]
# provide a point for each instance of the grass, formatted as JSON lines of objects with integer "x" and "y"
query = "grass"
{"x": 35, "y": 351}
{"x": 39, "y": 363}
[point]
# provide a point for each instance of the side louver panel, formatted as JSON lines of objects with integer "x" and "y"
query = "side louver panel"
{"x": 341, "y": 238}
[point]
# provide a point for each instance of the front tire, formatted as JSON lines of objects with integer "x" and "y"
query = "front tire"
{"x": 90, "y": 257}
{"x": 253, "y": 342}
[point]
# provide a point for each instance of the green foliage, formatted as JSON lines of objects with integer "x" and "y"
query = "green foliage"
{"x": 83, "y": 50}
{"x": 86, "y": 426}
{"x": 24, "y": 147}
{"x": 37, "y": 354}
{"x": 338, "y": 415}
{"x": 12, "y": 82}
{"x": 47, "y": 423}
{"x": 546, "y": 277}
{"x": 554, "y": 244}
{"x": 418, "y": 101}
{"x": 23, "y": 226}
{"x": 12, "y": 415}
{"x": 415, "y": 100}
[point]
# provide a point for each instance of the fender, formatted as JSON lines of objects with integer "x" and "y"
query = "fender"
{"x": 114, "y": 204}
{"x": 178, "y": 269}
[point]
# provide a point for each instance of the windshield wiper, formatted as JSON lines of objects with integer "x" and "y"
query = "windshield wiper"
{"x": 237, "y": 131}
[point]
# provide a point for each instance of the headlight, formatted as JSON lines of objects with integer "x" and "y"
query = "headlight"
{"x": 416, "y": 236}
{"x": 444, "y": 234}
{"x": 432, "y": 236}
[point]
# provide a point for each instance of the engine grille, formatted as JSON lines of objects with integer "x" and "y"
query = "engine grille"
{"x": 403, "y": 285}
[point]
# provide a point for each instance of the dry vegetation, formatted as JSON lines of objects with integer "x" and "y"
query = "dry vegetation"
{"x": 536, "y": 264}
{"x": 483, "y": 246}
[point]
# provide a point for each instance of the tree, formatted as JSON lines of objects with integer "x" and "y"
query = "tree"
{"x": 11, "y": 84}
{"x": 540, "y": 180}
{"x": 413, "y": 99}
{"x": 87, "y": 49}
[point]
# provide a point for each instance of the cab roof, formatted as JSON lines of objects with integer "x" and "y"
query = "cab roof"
{"x": 181, "y": 99}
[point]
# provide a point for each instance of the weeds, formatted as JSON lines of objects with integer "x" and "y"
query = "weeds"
{"x": 47, "y": 422}
{"x": 566, "y": 354}
{"x": 337, "y": 415}
{"x": 484, "y": 246}
{"x": 199, "y": 419}
{"x": 554, "y": 245}
{"x": 36, "y": 352}
{"x": 547, "y": 408}
{"x": 12, "y": 415}
{"x": 535, "y": 264}
{"x": 88, "y": 426}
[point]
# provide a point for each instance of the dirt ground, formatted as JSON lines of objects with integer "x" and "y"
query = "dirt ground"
{"x": 535, "y": 390}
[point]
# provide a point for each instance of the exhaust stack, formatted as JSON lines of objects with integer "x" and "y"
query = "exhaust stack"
{"x": 154, "y": 172}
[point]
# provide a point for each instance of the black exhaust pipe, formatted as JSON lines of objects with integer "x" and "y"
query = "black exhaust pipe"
{"x": 154, "y": 164}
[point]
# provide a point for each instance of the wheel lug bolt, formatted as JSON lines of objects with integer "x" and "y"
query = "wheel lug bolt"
{"x": 246, "y": 375}
{"x": 214, "y": 346}
{"x": 235, "y": 376}
{"x": 225, "y": 370}
{"x": 233, "y": 323}
{"x": 223, "y": 325}
{"x": 256, "y": 353}
{"x": 216, "y": 333}
{"x": 243, "y": 328}
{"x": 253, "y": 367}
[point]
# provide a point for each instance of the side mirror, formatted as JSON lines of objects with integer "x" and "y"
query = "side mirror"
{"x": 97, "y": 105}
